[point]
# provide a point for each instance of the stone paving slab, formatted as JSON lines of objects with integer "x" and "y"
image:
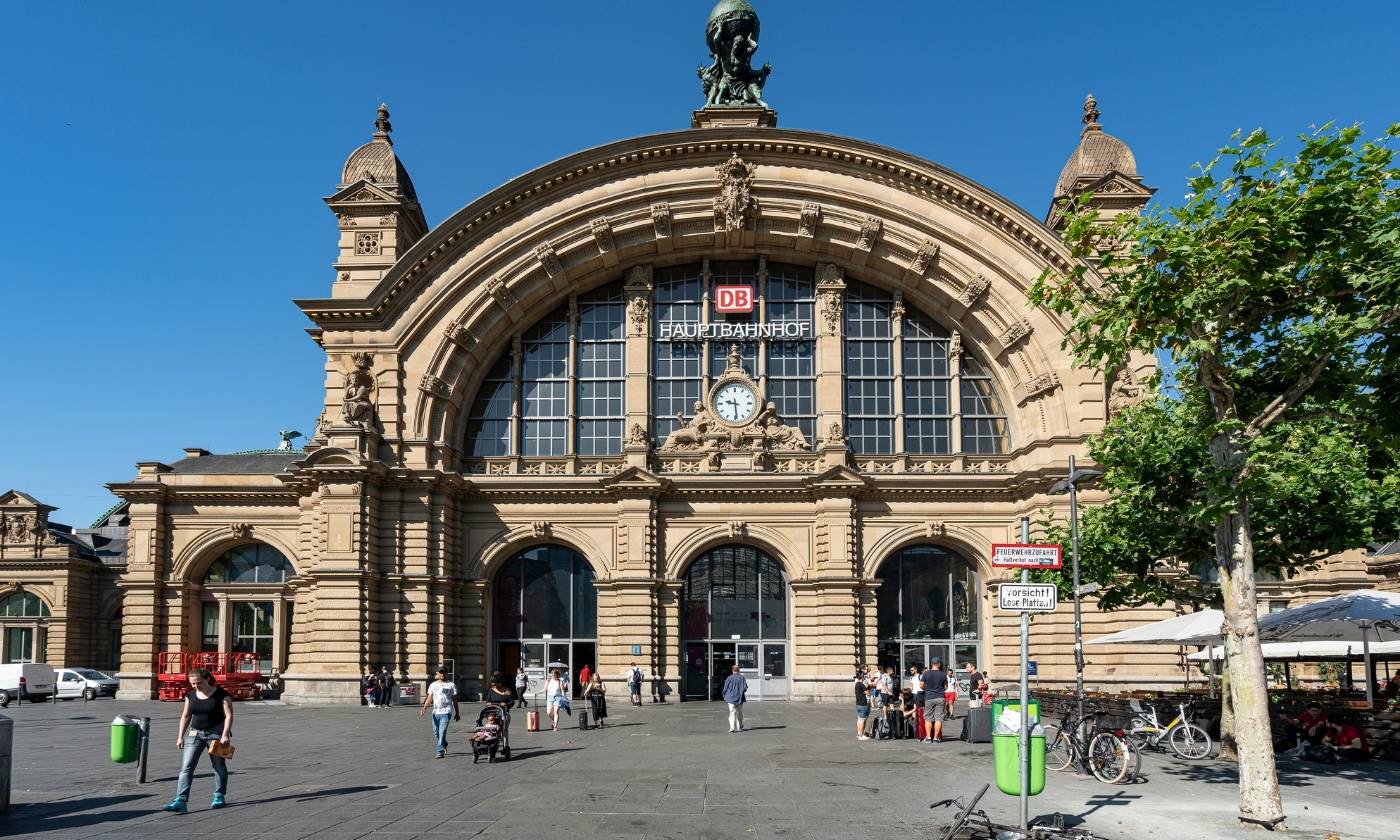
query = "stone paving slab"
{"x": 660, "y": 771}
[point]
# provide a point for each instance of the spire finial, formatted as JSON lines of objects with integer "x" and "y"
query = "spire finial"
{"x": 382, "y": 126}
{"x": 1091, "y": 113}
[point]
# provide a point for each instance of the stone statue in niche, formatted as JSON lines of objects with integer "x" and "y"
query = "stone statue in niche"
{"x": 690, "y": 435}
{"x": 357, "y": 407}
{"x": 735, "y": 202}
{"x": 637, "y": 436}
{"x": 1126, "y": 390}
{"x": 731, "y": 33}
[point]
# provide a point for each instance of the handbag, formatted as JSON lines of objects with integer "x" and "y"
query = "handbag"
{"x": 221, "y": 750}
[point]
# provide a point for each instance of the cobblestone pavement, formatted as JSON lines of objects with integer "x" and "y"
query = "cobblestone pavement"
{"x": 659, "y": 771}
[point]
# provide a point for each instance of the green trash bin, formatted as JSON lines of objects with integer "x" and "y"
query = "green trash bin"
{"x": 1006, "y": 750}
{"x": 1014, "y": 703}
{"x": 126, "y": 739}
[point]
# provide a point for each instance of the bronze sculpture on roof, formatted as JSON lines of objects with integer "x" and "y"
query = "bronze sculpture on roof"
{"x": 732, "y": 36}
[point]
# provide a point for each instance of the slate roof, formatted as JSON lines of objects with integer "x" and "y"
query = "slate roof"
{"x": 255, "y": 462}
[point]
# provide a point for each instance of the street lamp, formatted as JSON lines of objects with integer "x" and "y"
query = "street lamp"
{"x": 1071, "y": 486}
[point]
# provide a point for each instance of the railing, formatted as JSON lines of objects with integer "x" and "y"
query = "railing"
{"x": 704, "y": 461}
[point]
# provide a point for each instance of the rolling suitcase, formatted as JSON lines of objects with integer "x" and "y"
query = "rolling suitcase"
{"x": 583, "y": 719}
{"x": 977, "y": 726}
{"x": 532, "y": 721}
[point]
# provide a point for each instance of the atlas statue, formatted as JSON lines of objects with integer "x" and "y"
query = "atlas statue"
{"x": 732, "y": 36}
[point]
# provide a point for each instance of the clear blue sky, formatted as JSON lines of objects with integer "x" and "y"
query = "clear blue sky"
{"x": 165, "y": 162}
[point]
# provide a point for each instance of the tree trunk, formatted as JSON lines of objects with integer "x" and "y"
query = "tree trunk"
{"x": 1228, "y": 750}
{"x": 1244, "y": 660}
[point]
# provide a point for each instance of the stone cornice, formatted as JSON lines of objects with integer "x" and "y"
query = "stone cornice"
{"x": 616, "y": 160}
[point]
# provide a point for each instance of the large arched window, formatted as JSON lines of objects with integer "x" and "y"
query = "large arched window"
{"x": 684, "y": 364}
{"x": 561, "y": 391}
{"x": 247, "y": 607}
{"x": 255, "y": 563}
{"x": 544, "y": 610}
{"x": 905, "y": 389}
{"x": 927, "y": 608}
{"x": 734, "y": 611}
{"x": 23, "y": 605}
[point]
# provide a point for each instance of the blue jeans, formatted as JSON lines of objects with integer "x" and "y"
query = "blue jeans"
{"x": 440, "y": 729}
{"x": 195, "y": 744}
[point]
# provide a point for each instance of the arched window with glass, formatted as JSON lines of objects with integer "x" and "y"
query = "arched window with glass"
{"x": 247, "y": 605}
{"x": 23, "y": 618}
{"x": 544, "y": 611}
{"x": 927, "y": 609}
{"x": 734, "y": 610}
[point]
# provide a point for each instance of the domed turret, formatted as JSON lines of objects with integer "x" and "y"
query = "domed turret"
{"x": 1103, "y": 166}
{"x": 376, "y": 162}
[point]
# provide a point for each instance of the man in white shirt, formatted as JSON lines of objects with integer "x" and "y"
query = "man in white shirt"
{"x": 442, "y": 696}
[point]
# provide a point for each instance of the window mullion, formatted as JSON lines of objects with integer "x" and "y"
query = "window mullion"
{"x": 571, "y": 380}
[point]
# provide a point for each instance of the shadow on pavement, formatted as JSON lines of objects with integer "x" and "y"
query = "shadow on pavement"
{"x": 56, "y": 816}
{"x": 1293, "y": 772}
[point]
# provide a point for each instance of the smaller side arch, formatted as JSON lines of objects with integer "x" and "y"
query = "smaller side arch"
{"x": 967, "y": 543}
{"x": 519, "y": 538}
{"x": 45, "y": 598}
{"x": 689, "y": 548}
{"x": 196, "y": 557}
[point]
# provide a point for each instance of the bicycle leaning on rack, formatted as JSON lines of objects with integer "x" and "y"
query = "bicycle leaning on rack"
{"x": 1185, "y": 738}
{"x": 1106, "y": 754}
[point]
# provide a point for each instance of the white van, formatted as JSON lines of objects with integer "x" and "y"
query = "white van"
{"x": 26, "y": 680}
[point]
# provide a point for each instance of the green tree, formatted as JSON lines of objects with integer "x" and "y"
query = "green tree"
{"x": 1276, "y": 288}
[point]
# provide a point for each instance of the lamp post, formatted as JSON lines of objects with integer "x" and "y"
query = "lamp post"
{"x": 1071, "y": 486}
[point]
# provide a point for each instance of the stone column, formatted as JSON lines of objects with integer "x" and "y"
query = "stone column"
{"x": 637, "y": 397}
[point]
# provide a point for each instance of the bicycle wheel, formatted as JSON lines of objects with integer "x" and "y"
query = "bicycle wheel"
{"x": 1110, "y": 757}
{"x": 1190, "y": 741}
{"x": 1058, "y": 752}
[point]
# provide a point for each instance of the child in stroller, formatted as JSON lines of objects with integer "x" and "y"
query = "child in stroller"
{"x": 492, "y": 734}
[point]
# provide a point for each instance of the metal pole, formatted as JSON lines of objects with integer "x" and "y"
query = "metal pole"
{"x": 1025, "y": 751}
{"x": 1366, "y": 669}
{"x": 145, "y": 745}
{"x": 1074, "y": 558}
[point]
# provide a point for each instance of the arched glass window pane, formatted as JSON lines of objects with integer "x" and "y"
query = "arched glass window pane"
{"x": 984, "y": 423}
{"x": 488, "y": 425}
{"x": 927, "y": 382}
{"x": 23, "y": 605}
{"x": 924, "y": 588}
{"x": 255, "y": 563}
{"x": 773, "y": 600}
{"x": 887, "y": 599}
{"x": 544, "y": 387}
{"x": 548, "y": 592}
{"x": 734, "y": 590}
{"x": 869, "y": 348}
{"x": 675, "y": 364}
{"x": 790, "y": 298}
{"x": 601, "y": 372}
{"x": 723, "y": 273}
{"x": 545, "y": 591}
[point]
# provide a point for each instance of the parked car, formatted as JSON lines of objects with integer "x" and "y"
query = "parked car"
{"x": 26, "y": 680}
{"x": 85, "y": 683}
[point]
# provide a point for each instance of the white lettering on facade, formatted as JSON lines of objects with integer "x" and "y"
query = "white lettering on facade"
{"x": 695, "y": 331}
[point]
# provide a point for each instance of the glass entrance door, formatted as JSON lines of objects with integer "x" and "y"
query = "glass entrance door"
{"x": 775, "y": 675}
{"x": 747, "y": 657}
{"x": 697, "y": 672}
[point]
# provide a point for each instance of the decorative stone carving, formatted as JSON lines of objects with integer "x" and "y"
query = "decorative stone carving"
{"x": 346, "y": 220}
{"x": 1014, "y": 333}
{"x": 602, "y": 234}
{"x": 924, "y": 257}
{"x": 955, "y": 347}
{"x": 778, "y": 437}
{"x": 434, "y": 385}
{"x": 933, "y": 528}
{"x": 503, "y": 296}
{"x": 731, "y": 33}
{"x": 1126, "y": 391}
{"x": 548, "y": 260}
{"x": 869, "y": 231}
{"x": 637, "y": 436}
{"x": 1037, "y": 385}
{"x": 661, "y": 219}
{"x": 357, "y": 405}
{"x": 638, "y": 314}
{"x": 367, "y": 243}
{"x": 457, "y": 333}
{"x": 17, "y": 528}
{"x": 344, "y": 275}
{"x": 807, "y": 222}
{"x": 390, "y": 219}
{"x": 736, "y": 528}
{"x": 834, "y": 435}
{"x": 829, "y": 305}
{"x": 735, "y": 203}
{"x": 539, "y": 528}
{"x": 691, "y": 435}
{"x": 897, "y": 308}
{"x": 241, "y": 530}
{"x": 976, "y": 287}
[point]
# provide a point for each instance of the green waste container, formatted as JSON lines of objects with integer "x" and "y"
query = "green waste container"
{"x": 1006, "y": 747}
{"x": 126, "y": 739}
{"x": 1014, "y": 703}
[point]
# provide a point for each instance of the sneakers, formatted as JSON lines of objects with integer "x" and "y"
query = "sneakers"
{"x": 862, "y": 738}
{"x": 938, "y": 740}
{"x": 218, "y": 801}
{"x": 441, "y": 754}
{"x": 176, "y": 806}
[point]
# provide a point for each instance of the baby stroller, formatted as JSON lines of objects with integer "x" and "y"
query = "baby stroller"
{"x": 492, "y": 734}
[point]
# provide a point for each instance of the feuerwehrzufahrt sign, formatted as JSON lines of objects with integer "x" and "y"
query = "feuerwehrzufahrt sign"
{"x": 1027, "y": 556}
{"x": 1027, "y": 597}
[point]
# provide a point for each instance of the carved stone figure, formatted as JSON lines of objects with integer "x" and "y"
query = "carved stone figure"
{"x": 777, "y": 436}
{"x": 357, "y": 407}
{"x": 637, "y": 436}
{"x": 638, "y": 311}
{"x": 690, "y": 435}
{"x": 735, "y": 201}
{"x": 834, "y": 436}
{"x": 731, "y": 33}
{"x": 287, "y": 436}
{"x": 1126, "y": 390}
{"x": 829, "y": 303}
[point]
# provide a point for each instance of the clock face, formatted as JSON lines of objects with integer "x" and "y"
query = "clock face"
{"x": 735, "y": 403}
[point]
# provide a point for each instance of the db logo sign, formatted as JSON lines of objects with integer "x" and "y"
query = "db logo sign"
{"x": 733, "y": 298}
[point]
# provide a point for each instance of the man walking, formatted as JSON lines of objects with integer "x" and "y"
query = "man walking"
{"x": 735, "y": 688}
{"x": 935, "y": 706}
{"x": 384, "y": 681}
{"x": 634, "y": 684}
{"x": 442, "y": 696}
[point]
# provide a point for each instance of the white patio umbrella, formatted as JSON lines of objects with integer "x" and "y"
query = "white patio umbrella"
{"x": 1364, "y": 615}
{"x": 1306, "y": 650}
{"x": 1197, "y": 628}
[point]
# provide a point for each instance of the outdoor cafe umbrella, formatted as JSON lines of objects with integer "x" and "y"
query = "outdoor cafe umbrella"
{"x": 1197, "y": 628}
{"x": 1363, "y": 615}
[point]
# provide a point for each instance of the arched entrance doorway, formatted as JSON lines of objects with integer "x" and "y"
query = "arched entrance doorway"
{"x": 928, "y": 609}
{"x": 734, "y": 609}
{"x": 245, "y": 604}
{"x": 545, "y": 610}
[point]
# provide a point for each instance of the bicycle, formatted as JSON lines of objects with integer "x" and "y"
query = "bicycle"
{"x": 1106, "y": 754}
{"x": 1186, "y": 739}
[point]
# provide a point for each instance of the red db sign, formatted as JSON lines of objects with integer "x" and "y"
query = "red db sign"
{"x": 733, "y": 298}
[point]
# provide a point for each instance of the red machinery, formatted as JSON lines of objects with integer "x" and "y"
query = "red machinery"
{"x": 239, "y": 673}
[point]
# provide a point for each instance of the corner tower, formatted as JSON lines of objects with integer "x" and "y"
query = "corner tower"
{"x": 1103, "y": 166}
{"x": 377, "y": 212}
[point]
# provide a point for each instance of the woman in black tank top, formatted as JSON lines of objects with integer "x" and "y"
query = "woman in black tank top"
{"x": 207, "y": 718}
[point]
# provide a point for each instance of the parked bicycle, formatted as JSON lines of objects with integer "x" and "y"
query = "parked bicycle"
{"x": 1185, "y": 738}
{"x": 1106, "y": 754}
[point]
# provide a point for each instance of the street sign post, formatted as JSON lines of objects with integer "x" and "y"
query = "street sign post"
{"x": 1027, "y": 597}
{"x": 1027, "y": 556}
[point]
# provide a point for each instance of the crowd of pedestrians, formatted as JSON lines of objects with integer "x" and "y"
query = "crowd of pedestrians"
{"x": 918, "y": 709}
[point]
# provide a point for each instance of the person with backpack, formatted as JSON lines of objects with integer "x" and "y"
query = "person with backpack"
{"x": 384, "y": 684}
{"x": 634, "y": 684}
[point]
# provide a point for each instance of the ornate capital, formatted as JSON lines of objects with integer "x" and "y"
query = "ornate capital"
{"x": 602, "y": 234}
{"x": 661, "y": 219}
{"x": 503, "y": 296}
{"x": 434, "y": 385}
{"x": 897, "y": 308}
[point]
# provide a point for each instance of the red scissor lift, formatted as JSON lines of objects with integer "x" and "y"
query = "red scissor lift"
{"x": 239, "y": 673}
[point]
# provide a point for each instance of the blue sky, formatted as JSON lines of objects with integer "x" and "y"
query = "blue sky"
{"x": 166, "y": 161}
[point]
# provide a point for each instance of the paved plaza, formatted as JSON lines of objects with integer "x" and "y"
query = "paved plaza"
{"x": 660, "y": 771}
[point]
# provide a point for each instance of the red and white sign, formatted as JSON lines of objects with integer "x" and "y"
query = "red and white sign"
{"x": 733, "y": 298}
{"x": 1032, "y": 556}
